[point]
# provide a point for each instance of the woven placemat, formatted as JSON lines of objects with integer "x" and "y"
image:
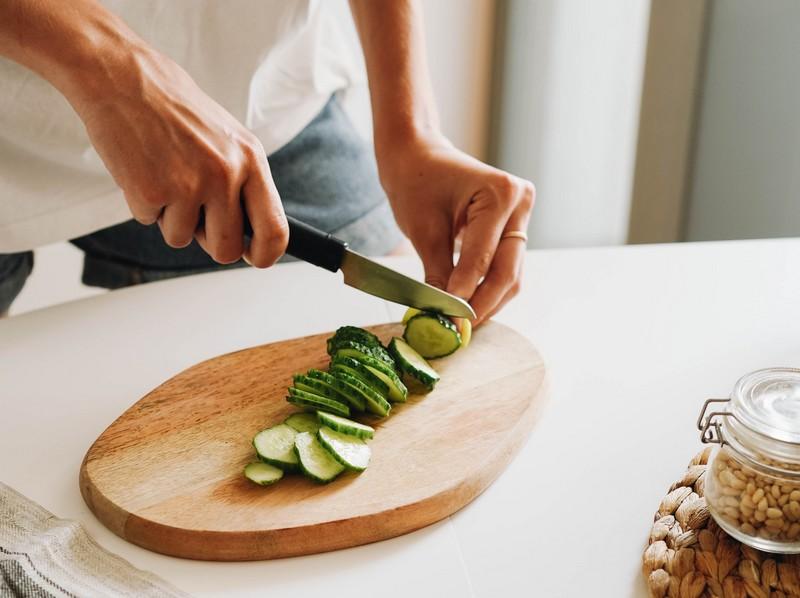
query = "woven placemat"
{"x": 689, "y": 556}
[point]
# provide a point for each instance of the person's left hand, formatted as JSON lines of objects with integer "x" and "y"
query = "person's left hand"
{"x": 438, "y": 194}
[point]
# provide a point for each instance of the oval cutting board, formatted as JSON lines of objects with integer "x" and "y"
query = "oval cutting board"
{"x": 167, "y": 475}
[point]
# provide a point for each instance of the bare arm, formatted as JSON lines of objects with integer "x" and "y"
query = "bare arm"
{"x": 179, "y": 157}
{"x": 437, "y": 192}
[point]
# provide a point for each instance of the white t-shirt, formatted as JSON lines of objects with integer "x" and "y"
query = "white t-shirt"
{"x": 272, "y": 64}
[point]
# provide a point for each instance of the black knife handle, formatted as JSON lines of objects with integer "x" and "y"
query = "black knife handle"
{"x": 310, "y": 244}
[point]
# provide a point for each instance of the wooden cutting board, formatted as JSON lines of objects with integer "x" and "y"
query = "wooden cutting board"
{"x": 167, "y": 475}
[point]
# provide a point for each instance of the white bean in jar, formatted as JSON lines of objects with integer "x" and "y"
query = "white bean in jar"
{"x": 754, "y": 502}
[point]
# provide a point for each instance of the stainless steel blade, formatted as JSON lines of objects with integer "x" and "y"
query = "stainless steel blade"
{"x": 375, "y": 279}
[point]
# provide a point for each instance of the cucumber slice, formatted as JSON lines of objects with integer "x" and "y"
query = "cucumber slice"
{"x": 397, "y": 390}
{"x": 355, "y": 349}
{"x": 375, "y": 403}
{"x": 344, "y": 425}
{"x": 301, "y": 398}
{"x": 350, "y": 451}
{"x": 412, "y": 363}
{"x": 353, "y": 397}
{"x": 316, "y": 462}
{"x": 303, "y": 422}
{"x": 262, "y": 474}
{"x": 352, "y": 333}
{"x": 410, "y": 313}
{"x": 432, "y": 335}
{"x": 318, "y": 387}
{"x": 362, "y": 372}
{"x": 275, "y": 446}
{"x": 464, "y": 326}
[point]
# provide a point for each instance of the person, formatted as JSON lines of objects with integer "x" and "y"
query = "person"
{"x": 166, "y": 111}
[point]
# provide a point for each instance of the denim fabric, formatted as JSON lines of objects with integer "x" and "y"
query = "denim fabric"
{"x": 14, "y": 271}
{"x": 326, "y": 176}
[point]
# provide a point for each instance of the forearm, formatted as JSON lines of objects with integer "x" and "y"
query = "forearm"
{"x": 392, "y": 37}
{"x": 75, "y": 45}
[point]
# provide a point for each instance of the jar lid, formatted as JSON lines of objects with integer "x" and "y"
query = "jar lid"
{"x": 768, "y": 402}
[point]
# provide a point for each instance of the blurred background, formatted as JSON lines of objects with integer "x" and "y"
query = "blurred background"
{"x": 639, "y": 121}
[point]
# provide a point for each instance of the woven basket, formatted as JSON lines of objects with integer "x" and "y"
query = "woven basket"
{"x": 689, "y": 556}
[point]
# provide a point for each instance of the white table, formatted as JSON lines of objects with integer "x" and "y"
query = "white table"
{"x": 635, "y": 339}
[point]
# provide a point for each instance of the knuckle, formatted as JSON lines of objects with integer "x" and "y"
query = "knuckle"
{"x": 224, "y": 172}
{"x": 506, "y": 186}
{"x": 528, "y": 198}
{"x": 252, "y": 148}
{"x": 482, "y": 262}
{"x": 515, "y": 287}
{"x": 153, "y": 198}
{"x": 435, "y": 280}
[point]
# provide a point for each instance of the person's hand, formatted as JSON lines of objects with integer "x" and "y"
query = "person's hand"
{"x": 182, "y": 160}
{"x": 439, "y": 194}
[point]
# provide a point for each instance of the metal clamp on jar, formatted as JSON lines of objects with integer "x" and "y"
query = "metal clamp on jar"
{"x": 752, "y": 482}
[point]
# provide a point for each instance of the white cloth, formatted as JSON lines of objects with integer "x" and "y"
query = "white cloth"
{"x": 271, "y": 63}
{"x": 42, "y": 555}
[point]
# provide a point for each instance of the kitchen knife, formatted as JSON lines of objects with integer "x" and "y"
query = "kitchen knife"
{"x": 326, "y": 251}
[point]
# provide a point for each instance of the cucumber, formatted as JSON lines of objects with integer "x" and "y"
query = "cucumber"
{"x": 412, "y": 363}
{"x": 355, "y": 349}
{"x": 275, "y": 446}
{"x": 375, "y": 403}
{"x": 353, "y": 397}
{"x": 344, "y": 425}
{"x": 432, "y": 335}
{"x": 352, "y": 333}
{"x": 318, "y": 387}
{"x": 303, "y": 422}
{"x": 316, "y": 462}
{"x": 350, "y": 451}
{"x": 262, "y": 474}
{"x": 464, "y": 326}
{"x": 410, "y": 313}
{"x": 397, "y": 390}
{"x": 362, "y": 372}
{"x": 301, "y": 398}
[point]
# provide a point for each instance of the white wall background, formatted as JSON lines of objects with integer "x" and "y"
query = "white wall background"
{"x": 570, "y": 111}
{"x": 747, "y": 159}
{"x": 459, "y": 38}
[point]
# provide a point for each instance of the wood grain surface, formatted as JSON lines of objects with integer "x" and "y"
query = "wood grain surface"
{"x": 167, "y": 474}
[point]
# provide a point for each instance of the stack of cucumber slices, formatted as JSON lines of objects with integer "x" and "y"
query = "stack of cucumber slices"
{"x": 364, "y": 377}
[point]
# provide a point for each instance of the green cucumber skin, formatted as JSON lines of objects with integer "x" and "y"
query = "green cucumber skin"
{"x": 307, "y": 399}
{"x": 375, "y": 403}
{"x": 313, "y": 406}
{"x": 426, "y": 380}
{"x": 319, "y": 387}
{"x": 310, "y": 474}
{"x": 398, "y": 393}
{"x": 379, "y": 353}
{"x": 263, "y": 483}
{"x": 361, "y": 372}
{"x": 352, "y": 333}
{"x": 339, "y": 458}
{"x": 354, "y": 399}
{"x": 350, "y": 427}
{"x": 442, "y": 321}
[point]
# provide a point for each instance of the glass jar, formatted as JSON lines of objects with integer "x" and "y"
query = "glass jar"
{"x": 752, "y": 483}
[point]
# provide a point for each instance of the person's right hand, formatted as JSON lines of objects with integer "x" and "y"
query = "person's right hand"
{"x": 182, "y": 160}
